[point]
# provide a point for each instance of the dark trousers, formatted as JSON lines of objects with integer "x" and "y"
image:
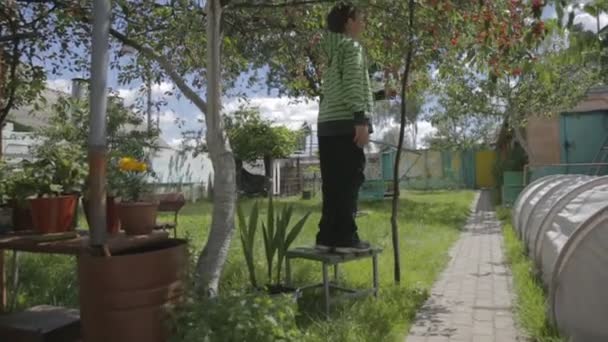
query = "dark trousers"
{"x": 342, "y": 165}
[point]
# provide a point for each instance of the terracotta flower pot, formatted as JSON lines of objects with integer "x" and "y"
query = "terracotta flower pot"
{"x": 6, "y": 219}
{"x": 22, "y": 215}
{"x": 112, "y": 220}
{"x": 137, "y": 218}
{"x": 53, "y": 214}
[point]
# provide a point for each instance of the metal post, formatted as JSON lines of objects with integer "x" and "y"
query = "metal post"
{"x": 149, "y": 95}
{"x": 288, "y": 271}
{"x": 375, "y": 273}
{"x": 97, "y": 133}
{"x": 326, "y": 288}
{"x": 336, "y": 273}
{"x": 3, "y": 303}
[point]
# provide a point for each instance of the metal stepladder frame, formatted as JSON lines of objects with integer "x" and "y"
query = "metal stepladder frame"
{"x": 333, "y": 259}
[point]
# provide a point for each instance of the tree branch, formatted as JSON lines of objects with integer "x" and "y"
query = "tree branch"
{"x": 17, "y": 36}
{"x": 279, "y": 4}
{"x": 163, "y": 61}
{"x": 180, "y": 82}
{"x": 12, "y": 89}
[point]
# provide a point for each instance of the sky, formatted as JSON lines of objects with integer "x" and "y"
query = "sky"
{"x": 282, "y": 110}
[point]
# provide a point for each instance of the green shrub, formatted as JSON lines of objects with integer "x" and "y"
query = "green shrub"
{"x": 237, "y": 318}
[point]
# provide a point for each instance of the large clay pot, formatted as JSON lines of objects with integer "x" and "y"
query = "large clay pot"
{"x": 6, "y": 219}
{"x": 53, "y": 214}
{"x": 137, "y": 218}
{"x": 112, "y": 220}
{"x": 22, "y": 215}
{"x": 124, "y": 298}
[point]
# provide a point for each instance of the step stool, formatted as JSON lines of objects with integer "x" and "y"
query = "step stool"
{"x": 41, "y": 324}
{"x": 328, "y": 259}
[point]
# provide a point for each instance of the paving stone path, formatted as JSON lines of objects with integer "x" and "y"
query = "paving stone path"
{"x": 472, "y": 301}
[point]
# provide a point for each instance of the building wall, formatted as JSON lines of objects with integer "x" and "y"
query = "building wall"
{"x": 543, "y": 135}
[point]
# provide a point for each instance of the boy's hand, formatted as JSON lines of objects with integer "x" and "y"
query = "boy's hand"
{"x": 361, "y": 135}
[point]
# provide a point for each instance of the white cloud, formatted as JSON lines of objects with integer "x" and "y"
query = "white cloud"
{"x": 161, "y": 89}
{"x": 425, "y": 129}
{"x": 285, "y": 111}
{"x": 168, "y": 117}
{"x": 589, "y": 22}
{"x": 60, "y": 84}
{"x": 176, "y": 142}
{"x": 128, "y": 95}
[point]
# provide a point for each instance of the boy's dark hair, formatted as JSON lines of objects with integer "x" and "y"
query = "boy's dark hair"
{"x": 339, "y": 15}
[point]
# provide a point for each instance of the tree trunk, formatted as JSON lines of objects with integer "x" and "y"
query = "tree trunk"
{"x": 239, "y": 173}
{"x": 519, "y": 137}
{"x": 2, "y": 79}
{"x": 268, "y": 174}
{"x": 212, "y": 258}
{"x": 396, "y": 173}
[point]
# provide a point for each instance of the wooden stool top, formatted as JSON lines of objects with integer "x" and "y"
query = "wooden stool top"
{"x": 75, "y": 242}
{"x": 311, "y": 253}
{"x": 41, "y": 323}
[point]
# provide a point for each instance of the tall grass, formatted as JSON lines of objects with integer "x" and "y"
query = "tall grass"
{"x": 531, "y": 306}
{"x": 429, "y": 224}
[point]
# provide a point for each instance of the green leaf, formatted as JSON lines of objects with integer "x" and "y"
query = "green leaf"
{"x": 56, "y": 188}
{"x": 295, "y": 231}
{"x": 253, "y": 221}
{"x": 247, "y": 234}
{"x": 268, "y": 250}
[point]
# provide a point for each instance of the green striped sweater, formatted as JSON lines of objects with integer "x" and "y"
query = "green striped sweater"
{"x": 347, "y": 98}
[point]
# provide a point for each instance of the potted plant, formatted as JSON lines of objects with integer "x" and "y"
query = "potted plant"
{"x": 137, "y": 215}
{"x": 19, "y": 186}
{"x": 58, "y": 174}
{"x": 6, "y": 212}
{"x": 278, "y": 235}
{"x": 69, "y": 121}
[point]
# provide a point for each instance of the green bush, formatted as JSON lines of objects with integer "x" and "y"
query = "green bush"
{"x": 237, "y": 318}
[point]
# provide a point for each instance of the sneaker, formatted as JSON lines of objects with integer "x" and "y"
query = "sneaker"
{"x": 355, "y": 247}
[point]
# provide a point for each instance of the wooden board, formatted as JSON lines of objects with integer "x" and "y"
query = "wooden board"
{"x": 74, "y": 244}
{"x": 41, "y": 323}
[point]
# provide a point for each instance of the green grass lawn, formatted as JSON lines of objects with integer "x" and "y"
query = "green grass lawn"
{"x": 531, "y": 299}
{"x": 429, "y": 223}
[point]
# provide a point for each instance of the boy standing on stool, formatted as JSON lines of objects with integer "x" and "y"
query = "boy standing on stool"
{"x": 343, "y": 129}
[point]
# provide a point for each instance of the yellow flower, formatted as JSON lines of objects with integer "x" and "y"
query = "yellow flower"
{"x": 124, "y": 164}
{"x": 141, "y": 167}
{"x": 130, "y": 164}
